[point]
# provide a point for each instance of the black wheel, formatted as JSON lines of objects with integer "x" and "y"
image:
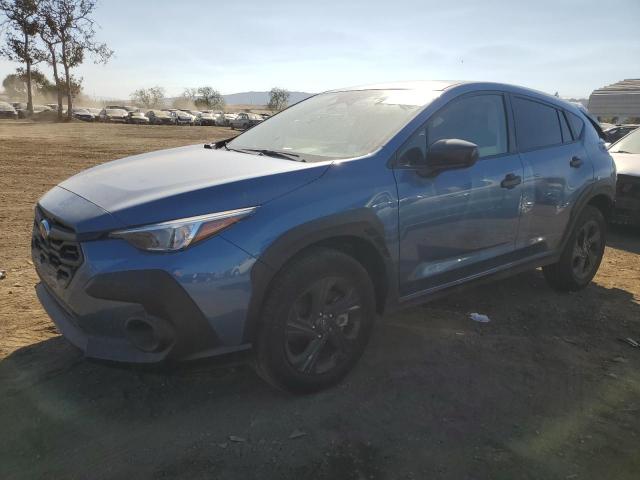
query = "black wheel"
{"x": 316, "y": 322}
{"x": 582, "y": 254}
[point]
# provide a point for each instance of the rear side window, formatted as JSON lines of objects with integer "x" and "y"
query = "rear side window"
{"x": 566, "y": 133}
{"x": 537, "y": 125}
{"x": 576, "y": 123}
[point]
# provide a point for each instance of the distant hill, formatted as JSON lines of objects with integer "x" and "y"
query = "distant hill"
{"x": 261, "y": 98}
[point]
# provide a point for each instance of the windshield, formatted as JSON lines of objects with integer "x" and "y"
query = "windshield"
{"x": 336, "y": 124}
{"x": 114, "y": 111}
{"x": 628, "y": 144}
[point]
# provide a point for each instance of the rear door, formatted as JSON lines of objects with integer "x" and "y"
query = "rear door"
{"x": 556, "y": 171}
{"x": 459, "y": 223}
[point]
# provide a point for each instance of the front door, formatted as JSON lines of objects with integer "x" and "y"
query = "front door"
{"x": 458, "y": 223}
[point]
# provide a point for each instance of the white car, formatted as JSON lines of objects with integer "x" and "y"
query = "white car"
{"x": 626, "y": 154}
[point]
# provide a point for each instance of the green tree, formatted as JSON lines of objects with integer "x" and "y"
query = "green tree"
{"x": 149, "y": 97}
{"x": 21, "y": 20}
{"x": 278, "y": 99}
{"x": 209, "y": 98}
{"x": 51, "y": 41}
{"x": 73, "y": 28}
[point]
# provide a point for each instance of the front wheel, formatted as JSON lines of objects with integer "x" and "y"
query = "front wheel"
{"x": 582, "y": 254}
{"x": 316, "y": 322}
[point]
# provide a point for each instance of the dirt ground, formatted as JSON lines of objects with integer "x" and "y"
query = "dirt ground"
{"x": 544, "y": 391}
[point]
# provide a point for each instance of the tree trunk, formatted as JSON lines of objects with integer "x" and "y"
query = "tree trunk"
{"x": 69, "y": 99}
{"x": 56, "y": 78}
{"x": 67, "y": 79}
{"x": 28, "y": 64}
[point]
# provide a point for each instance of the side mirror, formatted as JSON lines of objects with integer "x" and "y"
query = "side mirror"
{"x": 451, "y": 153}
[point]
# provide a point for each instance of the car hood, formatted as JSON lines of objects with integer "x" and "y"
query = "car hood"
{"x": 627, "y": 163}
{"x": 188, "y": 181}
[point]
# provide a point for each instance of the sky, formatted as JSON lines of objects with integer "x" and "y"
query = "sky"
{"x": 568, "y": 46}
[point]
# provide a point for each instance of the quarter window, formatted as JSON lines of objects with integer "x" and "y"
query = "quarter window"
{"x": 537, "y": 125}
{"x": 576, "y": 123}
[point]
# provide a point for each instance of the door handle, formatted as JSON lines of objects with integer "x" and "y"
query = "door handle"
{"x": 575, "y": 162}
{"x": 511, "y": 181}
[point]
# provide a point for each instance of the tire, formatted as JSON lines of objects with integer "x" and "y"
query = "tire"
{"x": 315, "y": 323}
{"x": 582, "y": 254}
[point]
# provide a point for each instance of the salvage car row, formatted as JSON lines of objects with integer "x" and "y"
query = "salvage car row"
{"x": 135, "y": 115}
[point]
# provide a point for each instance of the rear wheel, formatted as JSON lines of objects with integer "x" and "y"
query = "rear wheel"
{"x": 316, "y": 322}
{"x": 582, "y": 254}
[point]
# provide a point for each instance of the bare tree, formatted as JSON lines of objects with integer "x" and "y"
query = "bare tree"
{"x": 186, "y": 100}
{"x": 21, "y": 18}
{"x": 148, "y": 97}
{"x": 73, "y": 27}
{"x": 278, "y": 99}
{"x": 209, "y": 98}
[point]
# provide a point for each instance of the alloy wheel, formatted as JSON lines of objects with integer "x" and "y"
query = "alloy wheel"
{"x": 587, "y": 249}
{"x": 323, "y": 326}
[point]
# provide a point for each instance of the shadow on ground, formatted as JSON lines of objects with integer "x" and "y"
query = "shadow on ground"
{"x": 545, "y": 390}
{"x": 625, "y": 238}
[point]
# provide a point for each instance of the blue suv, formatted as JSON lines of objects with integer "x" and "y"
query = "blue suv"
{"x": 292, "y": 237}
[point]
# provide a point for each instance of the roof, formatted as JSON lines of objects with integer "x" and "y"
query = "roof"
{"x": 618, "y": 99}
{"x": 419, "y": 85}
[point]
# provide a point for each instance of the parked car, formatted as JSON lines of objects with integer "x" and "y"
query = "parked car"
{"x": 114, "y": 115}
{"x": 294, "y": 236}
{"x": 44, "y": 113}
{"x": 228, "y": 117}
{"x": 138, "y": 118}
{"x": 126, "y": 108}
{"x": 626, "y": 153}
{"x": 205, "y": 118}
{"x": 83, "y": 114}
{"x": 20, "y": 108}
{"x": 7, "y": 111}
{"x": 39, "y": 111}
{"x": 244, "y": 121}
{"x": 183, "y": 118}
{"x": 94, "y": 111}
{"x": 219, "y": 119}
{"x": 616, "y": 133}
{"x": 160, "y": 117}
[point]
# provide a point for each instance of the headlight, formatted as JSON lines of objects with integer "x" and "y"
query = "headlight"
{"x": 179, "y": 234}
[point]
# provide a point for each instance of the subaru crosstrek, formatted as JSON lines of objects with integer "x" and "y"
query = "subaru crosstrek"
{"x": 292, "y": 237}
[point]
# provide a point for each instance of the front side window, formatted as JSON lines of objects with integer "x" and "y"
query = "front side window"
{"x": 537, "y": 125}
{"x": 479, "y": 119}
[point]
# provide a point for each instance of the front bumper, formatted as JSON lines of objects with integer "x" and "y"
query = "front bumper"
{"x": 627, "y": 205}
{"x": 123, "y": 304}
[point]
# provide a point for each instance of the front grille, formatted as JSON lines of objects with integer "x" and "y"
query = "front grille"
{"x": 628, "y": 186}
{"x": 59, "y": 255}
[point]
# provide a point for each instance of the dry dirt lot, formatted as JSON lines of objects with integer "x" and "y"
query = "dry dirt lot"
{"x": 544, "y": 391}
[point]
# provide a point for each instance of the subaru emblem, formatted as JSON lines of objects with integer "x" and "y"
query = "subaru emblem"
{"x": 44, "y": 228}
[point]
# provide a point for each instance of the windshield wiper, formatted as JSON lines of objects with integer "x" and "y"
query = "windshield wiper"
{"x": 218, "y": 144}
{"x": 275, "y": 154}
{"x": 619, "y": 151}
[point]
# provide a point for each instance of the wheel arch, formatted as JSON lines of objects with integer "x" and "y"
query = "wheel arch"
{"x": 602, "y": 202}
{"x": 357, "y": 233}
{"x": 599, "y": 195}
